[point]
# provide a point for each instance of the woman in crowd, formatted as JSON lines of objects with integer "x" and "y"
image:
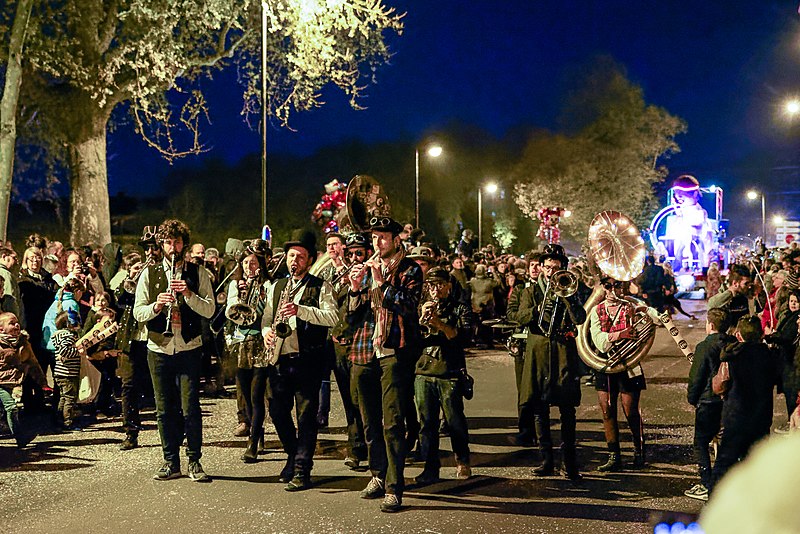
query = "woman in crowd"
{"x": 784, "y": 338}
{"x": 713, "y": 280}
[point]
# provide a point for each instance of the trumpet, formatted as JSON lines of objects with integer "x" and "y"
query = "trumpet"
{"x": 173, "y": 272}
{"x": 129, "y": 284}
{"x": 425, "y": 327}
{"x": 561, "y": 284}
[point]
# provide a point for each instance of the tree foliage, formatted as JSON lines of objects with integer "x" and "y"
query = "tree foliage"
{"x": 87, "y": 57}
{"x": 610, "y": 162}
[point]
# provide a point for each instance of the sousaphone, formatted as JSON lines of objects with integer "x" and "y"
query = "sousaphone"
{"x": 616, "y": 246}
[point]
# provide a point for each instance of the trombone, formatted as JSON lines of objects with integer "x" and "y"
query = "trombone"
{"x": 561, "y": 284}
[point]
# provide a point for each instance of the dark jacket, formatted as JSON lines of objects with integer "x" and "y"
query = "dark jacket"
{"x": 754, "y": 370}
{"x": 551, "y": 369}
{"x": 442, "y": 357}
{"x": 704, "y": 366}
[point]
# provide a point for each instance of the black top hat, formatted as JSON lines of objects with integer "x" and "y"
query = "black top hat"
{"x": 385, "y": 224}
{"x": 553, "y": 251}
{"x": 149, "y": 236}
{"x": 358, "y": 240}
{"x": 305, "y": 239}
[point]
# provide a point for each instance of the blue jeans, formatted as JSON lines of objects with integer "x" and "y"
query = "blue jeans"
{"x": 10, "y": 407}
{"x": 431, "y": 394}
{"x": 176, "y": 385}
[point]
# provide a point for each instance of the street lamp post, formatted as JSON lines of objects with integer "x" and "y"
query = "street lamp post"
{"x": 491, "y": 188}
{"x": 433, "y": 151}
{"x": 752, "y": 195}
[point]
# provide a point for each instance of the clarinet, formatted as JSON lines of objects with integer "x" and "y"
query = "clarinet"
{"x": 280, "y": 326}
{"x": 173, "y": 271}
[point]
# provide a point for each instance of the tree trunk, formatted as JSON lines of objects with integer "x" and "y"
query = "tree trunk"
{"x": 8, "y": 109}
{"x": 90, "y": 220}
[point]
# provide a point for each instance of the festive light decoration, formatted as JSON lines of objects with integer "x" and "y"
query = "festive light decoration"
{"x": 328, "y": 207}
{"x": 548, "y": 229}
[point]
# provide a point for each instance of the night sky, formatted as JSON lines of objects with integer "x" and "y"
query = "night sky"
{"x": 724, "y": 67}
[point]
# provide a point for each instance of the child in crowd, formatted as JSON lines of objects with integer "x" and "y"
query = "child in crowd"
{"x": 708, "y": 405}
{"x": 747, "y": 410}
{"x": 17, "y": 361}
{"x": 68, "y": 364}
{"x": 103, "y": 356}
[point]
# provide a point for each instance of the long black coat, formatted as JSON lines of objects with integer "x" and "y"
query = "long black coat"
{"x": 551, "y": 369}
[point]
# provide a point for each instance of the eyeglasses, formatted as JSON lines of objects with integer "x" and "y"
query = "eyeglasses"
{"x": 380, "y": 221}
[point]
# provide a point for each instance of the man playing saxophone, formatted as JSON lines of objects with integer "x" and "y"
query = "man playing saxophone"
{"x": 550, "y": 374}
{"x": 305, "y": 307}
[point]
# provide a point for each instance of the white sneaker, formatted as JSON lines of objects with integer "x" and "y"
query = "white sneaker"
{"x": 374, "y": 490}
{"x": 783, "y": 429}
{"x": 698, "y": 491}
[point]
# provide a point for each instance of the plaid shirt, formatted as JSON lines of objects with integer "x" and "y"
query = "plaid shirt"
{"x": 399, "y": 295}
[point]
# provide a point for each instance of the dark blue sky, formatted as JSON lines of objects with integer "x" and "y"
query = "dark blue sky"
{"x": 723, "y": 66}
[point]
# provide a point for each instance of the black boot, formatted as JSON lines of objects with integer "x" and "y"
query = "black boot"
{"x": 638, "y": 459}
{"x": 614, "y": 462}
{"x": 250, "y": 455}
{"x": 570, "y": 467}
{"x": 547, "y": 468}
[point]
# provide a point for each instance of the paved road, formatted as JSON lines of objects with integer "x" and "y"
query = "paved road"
{"x": 80, "y": 482}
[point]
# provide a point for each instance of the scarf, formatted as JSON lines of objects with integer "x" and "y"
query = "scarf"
{"x": 382, "y": 316}
{"x": 7, "y": 340}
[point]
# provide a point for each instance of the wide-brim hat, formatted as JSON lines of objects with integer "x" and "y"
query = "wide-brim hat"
{"x": 259, "y": 247}
{"x": 385, "y": 224}
{"x": 422, "y": 253}
{"x": 554, "y": 252}
{"x": 304, "y": 239}
{"x": 149, "y": 234}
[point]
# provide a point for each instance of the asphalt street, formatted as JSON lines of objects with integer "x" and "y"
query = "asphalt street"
{"x": 81, "y": 482}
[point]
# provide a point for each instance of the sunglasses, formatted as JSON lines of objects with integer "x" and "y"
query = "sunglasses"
{"x": 359, "y": 253}
{"x": 612, "y": 285}
{"x": 152, "y": 247}
{"x": 380, "y": 221}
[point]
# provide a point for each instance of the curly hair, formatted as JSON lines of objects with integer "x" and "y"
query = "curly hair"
{"x": 172, "y": 229}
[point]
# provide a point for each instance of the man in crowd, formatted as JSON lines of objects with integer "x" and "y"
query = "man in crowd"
{"x": 736, "y": 300}
{"x": 382, "y": 309}
{"x": 306, "y": 304}
{"x": 171, "y": 298}
{"x": 550, "y": 371}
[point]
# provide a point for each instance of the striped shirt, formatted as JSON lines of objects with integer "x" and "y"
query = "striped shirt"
{"x": 68, "y": 359}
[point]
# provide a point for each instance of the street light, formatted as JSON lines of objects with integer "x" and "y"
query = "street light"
{"x": 778, "y": 220}
{"x": 433, "y": 151}
{"x": 752, "y": 195}
{"x": 792, "y": 107}
{"x": 491, "y": 188}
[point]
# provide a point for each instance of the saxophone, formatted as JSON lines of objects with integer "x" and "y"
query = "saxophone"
{"x": 280, "y": 325}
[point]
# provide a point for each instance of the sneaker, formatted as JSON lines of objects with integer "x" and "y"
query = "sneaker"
{"x": 374, "y": 489}
{"x": 196, "y": 472}
{"x": 463, "y": 471}
{"x": 299, "y": 482}
{"x": 129, "y": 443}
{"x": 783, "y": 429}
{"x": 167, "y": 472}
{"x": 352, "y": 462}
{"x": 390, "y": 503}
{"x": 698, "y": 491}
{"x": 242, "y": 430}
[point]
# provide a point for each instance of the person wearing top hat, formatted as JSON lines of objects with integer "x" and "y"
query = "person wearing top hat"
{"x": 131, "y": 341}
{"x": 171, "y": 298}
{"x": 550, "y": 374}
{"x": 306, "y": 304}
{"x": 382, "y": 311}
